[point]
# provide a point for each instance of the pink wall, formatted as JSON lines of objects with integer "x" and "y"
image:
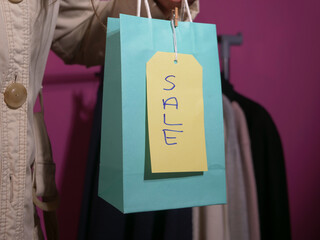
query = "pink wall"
{"x": 69, "y": 100}
{"x": 276, "y": 66}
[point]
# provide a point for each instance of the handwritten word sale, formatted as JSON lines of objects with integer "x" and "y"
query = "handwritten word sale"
{"x": 170, "y": 129}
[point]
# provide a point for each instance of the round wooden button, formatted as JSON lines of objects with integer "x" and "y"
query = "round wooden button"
{"x": 15, "y": 1}
{"x": 15, "y": 95}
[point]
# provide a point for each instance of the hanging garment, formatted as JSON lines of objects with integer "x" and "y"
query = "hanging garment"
{"x": 269, "y": 167}
{"x": 236, "y": 197}
{"x": 228, "y": 221}
{"x": 210, "y": 222}
{"x": 250, "y": 182}
{"x": 100, "y": 220}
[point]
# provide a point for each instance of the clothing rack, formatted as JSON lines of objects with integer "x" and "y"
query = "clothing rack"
{"x": 226, "y": 41}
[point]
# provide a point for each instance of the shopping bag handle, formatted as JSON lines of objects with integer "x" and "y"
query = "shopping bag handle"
{"x": 146, "y": 3}
{"x": 186, "y": 5}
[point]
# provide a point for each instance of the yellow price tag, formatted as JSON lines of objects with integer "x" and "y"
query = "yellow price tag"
{"x": 175, "y": 114}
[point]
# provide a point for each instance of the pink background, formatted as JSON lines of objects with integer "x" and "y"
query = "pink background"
{"x": 277, "y": 66}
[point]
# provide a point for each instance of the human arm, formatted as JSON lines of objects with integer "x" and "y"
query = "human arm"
{"x": 80, "y": 39}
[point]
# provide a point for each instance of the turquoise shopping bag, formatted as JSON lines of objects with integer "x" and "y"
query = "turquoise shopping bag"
{"x": 125, "y": 177}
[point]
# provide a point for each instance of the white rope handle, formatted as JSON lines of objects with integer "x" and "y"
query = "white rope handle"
{"x": 186, "y": 5}
{"x": 146, "y": 4}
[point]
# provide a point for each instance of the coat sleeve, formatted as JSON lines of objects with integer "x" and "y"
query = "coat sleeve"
{"x": 79, "y": 37}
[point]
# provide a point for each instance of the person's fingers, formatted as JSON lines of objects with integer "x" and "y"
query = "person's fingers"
{"x": 175, "y": 3}
{"x": 167, "y": 5}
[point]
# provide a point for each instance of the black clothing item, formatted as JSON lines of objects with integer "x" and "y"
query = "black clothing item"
{"x": 100, "y": 220}
{"x": 269, "y": 167}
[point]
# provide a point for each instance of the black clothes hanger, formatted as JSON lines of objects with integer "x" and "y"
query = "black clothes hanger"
{"x": 226, "y": 41}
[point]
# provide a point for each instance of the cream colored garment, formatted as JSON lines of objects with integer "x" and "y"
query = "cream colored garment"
{"x": 230, "y": 221}
{"x": 27, "y": 31}
{"x": 250, "y": 182}
{"x": 211, "y": 222}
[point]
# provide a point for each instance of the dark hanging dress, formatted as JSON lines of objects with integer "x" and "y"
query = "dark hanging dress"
{"x": 269, "y": 167}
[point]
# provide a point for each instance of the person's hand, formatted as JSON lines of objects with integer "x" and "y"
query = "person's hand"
{"x": 167, "y": 5}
